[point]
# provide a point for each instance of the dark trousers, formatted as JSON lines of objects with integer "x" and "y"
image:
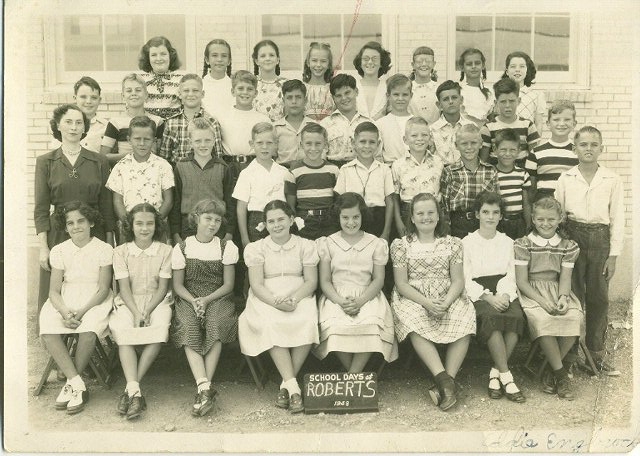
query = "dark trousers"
{"x": 316, "y": 226}
{"x": 513, "y": 226}
{"x": 462, "y": 223}
{"x": 374, "y": 223}
{"x": 588, "y": 283}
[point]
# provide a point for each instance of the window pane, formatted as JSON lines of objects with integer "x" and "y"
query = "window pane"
{"x": 324, "y": 28}
{"x": 512, "y": 34}
{"x": 358, "y": 30}
{"x": 552, "y": 43}
{"x": 284, "y": 30}
{"x": 474, "y": 32}
{"x": 123, "y": 40}
{"x": 82, "y": 43}
{"x": 173, "y": 28}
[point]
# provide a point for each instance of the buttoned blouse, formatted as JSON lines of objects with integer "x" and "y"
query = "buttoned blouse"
{"x": 288, "y": 259}
{"x": 56, "y": 183}
{"x": 144, "y": 267}
{"x": 544, "y": 255}
{"x": 601, "y": 201}
{"x": 477, "y": 251}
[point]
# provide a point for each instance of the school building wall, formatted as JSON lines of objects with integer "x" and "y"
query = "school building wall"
{"x": 605, "y": 102}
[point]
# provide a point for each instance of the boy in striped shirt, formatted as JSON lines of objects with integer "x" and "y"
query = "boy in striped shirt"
{"x": 507, "y": 100}
{"x": 549, "y": 160}
{"x": 514, "y": 186}
{"x": 315, "y": 179}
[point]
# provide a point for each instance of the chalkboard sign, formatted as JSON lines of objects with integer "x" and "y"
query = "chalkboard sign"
{"x": 340, "y": 393}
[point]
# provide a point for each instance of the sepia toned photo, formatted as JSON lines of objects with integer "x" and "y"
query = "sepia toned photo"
{"x": 339, "y": 226}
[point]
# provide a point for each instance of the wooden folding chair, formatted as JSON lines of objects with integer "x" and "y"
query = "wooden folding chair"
{"x": 535, "y": 351}
{"x": 102, "y": 362}
{"x": 258, "y": 371}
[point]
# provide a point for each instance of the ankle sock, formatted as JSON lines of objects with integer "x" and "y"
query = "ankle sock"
{"x": 560, "y": 373}
{"x": 203, "y": 384}
{"x": 506, "y": 378}
{"x": 292, "y": 386}
{"x": 77, "y": 384}
{"x": 132, "y": 389}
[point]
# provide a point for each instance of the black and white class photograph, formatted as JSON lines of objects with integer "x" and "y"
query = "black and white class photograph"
{"x": 321, "y": 227}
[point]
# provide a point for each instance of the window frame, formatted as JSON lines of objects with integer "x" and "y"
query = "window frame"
{"x": 388, "y": 40}
{"x": 579, "y": 51}
{"x": 58, "y": 80}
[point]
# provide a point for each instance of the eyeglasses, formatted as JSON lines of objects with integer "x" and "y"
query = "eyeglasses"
{"x": 370, "y": 59}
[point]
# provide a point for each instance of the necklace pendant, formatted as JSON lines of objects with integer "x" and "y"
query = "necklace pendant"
{"x": 73, "y": 174}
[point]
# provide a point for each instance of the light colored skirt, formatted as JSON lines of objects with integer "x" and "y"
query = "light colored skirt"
{"x": 122, "y": 327}
{"x": 95, "y": 320}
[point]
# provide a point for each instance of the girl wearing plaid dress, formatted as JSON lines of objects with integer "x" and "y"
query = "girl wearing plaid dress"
{"x": 205, "y": 316}
{"x": 429, "y": 302}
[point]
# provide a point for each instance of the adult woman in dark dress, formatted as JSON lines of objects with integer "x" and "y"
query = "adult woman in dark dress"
{"x": 65, "y": 174}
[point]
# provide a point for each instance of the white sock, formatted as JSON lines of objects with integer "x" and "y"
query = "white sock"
{"x": 203, "y": 384}
{"x": 507, "y": 380}
{"x": 77, "y": 384}
{"x": 133, "y": 388}
{"x": 282, "y": 385}
{"x": 494, "y": 374}
{"x": 292, "y": 386}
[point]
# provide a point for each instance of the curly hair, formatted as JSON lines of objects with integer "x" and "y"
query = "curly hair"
{"x": 385, "y": 58}
{"x": 59, "y": 113}
{"x": 143, "y": 58}
{"x": 206, "y": 64}
{"x": 530, "y": 77}
{"x": 254, "y": 55}
{"x": 442, "y": 228}
{"x": 59, "y": 217}
{"x": 306, "y": 72}
{"x": 127, "y": 225}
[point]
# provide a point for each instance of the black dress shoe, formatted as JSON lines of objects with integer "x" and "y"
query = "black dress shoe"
{"x": 123, "y": 404}
{"x": 282, "y": 401}
{"x": 295, "y": 403}
{"x": 137, "y": 405}
{"x": 447, "y": 389}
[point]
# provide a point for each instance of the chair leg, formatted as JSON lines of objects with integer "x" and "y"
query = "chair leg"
{"x": 383, "y": 363}
{"x": 587, "y": 356}
{"x": 44, "y": 377}
{"x": 257, "y": 371}
{"x": 528, "y": 364}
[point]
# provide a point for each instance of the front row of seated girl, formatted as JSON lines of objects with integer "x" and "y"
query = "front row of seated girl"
{"x": 445, "y": 291}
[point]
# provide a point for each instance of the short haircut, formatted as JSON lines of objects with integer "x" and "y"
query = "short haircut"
{"x": 87, "y": 81}
{"x": 142, "y": 122}
{"x": 199, "y": 123}
{"x": 59, "y": 113}
{"x": 507, "y": 134}
{"x": 448, "y": 85}
{"x": 60, "y": 214}
{"x": 342, "y": 80}
{"x": 244, "y": 76}
{"x": 385, "y": 58}
{"x": 348, "y": 200}
{"x": 294, "y": 84}
{"x": 206, "y": 206}
{"x": 366, "y": 126}
{"x": 469, "y": 128}
{"x": 190, "y": 77}
{"x": 487, "y": 197}
{"x": 442, "y": 228}
{"x": 415, "y": 120}
{"x": 262, "y": 127}
{"x": 313, "y": 127}
{"x": 398, "y": 80}
{"x": 143, "y": 59}
{"x": 127, "y": 226}
{"x": 587, "y": 129}
{"x": 136, "y": 78}
{"x": 505, "y": 86}
{"x": 560, "y": 105}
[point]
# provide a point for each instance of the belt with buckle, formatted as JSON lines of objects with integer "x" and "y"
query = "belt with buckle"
{"x": 469, "y": 215}
{"x": 314, "y": 212}
{"x": 238, "y": 158}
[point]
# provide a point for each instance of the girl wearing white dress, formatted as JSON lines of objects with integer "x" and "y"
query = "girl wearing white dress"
{"x": 79, "y": 299}
{"x": 142, "y": 309}
{"x": 281, "y": 315}
{"x": 355, "y": 317}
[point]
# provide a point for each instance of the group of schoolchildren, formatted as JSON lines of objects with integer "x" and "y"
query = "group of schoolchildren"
{"x": 302, "y": 186}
